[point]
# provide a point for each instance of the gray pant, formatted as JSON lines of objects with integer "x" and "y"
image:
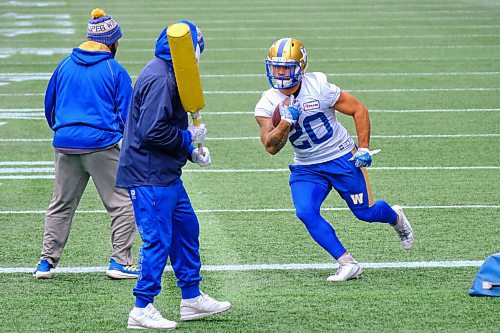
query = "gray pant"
{"x": 72, "y": 176}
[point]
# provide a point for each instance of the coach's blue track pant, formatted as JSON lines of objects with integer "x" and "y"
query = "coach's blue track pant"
{"x": 169, "y": 228}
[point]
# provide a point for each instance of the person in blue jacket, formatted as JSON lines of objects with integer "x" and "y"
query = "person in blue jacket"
{"x": 86, "y": 106}
{"x": 157, "y": 143}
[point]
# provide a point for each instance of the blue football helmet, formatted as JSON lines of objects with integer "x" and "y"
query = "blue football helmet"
{"x": 286, "y": 63}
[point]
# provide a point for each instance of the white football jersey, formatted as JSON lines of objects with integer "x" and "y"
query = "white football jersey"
{"x": 318, "y": 137}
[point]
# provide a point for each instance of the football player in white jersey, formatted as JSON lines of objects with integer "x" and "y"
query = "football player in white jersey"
{"x": 325, "y": 155}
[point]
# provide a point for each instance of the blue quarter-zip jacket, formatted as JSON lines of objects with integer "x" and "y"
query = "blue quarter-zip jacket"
{"x": 156, "y": 142}
{"x": 87, "y": 100}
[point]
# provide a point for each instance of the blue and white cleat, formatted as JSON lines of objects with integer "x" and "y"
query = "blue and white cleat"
{"x": 43, "y": 270}
{"x": 117, "y": 271}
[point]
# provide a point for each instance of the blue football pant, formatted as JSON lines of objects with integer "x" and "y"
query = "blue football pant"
{"x": 311, "y": 184}
{"x": 169, "y": 228}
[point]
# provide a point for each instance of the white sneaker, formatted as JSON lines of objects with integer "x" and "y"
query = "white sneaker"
{"x": 148, "y": 317}
{"x": 347, "y": 271}
{"x": 204, "y": 306}
{"x": 403, "y": 229}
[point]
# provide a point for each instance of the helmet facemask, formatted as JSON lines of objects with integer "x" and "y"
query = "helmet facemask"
{"x": 286, "y": 63}
{"x": 282, "y": 73}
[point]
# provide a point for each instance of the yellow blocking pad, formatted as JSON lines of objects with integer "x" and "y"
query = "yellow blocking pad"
{"x": 186, "y": 70}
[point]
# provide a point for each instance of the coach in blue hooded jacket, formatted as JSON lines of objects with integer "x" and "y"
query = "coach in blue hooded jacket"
{"x": 86, "y": 105}
{"x": 157, "y": 144}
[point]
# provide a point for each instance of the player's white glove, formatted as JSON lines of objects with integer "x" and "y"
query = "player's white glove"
{"x": 291, "y": 112}
{"x": 363, "y": 157}
{"x": 204, "y": 159}
{"x": 197, "y": 133}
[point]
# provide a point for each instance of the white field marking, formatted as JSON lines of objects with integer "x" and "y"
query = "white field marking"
{"x": 433, "y": 110}
{"x": 223, "y": 113}
{"x": 262, "y": 210}
{"x": 235, "y": 92}
{"x": 355, "y": 48}
{"x": 242, "y": 138}
{"x": 318, "y": 20}
{"x": 359, "y": 37}
{"x": 18, "y": 171}
{"x": 13, "y": 163}
{"x": 355, "y": 74}
{"x": 2, "y": 123}
{"x": 364, "y": 28}
{"x": 26, "y": 170}
{"x": 259, "y": 92}
{"x": 347, "y": 48}
{"x": 25, "y": 140}
{"x": 315, "y": 20}
{"x": 34, "y": 51}
{"x": 409, "y": 168}
{"x": 342, "y": 28}
{"x": 21, "y": 110}
{"x": 7, "y": 52}
{"x": 51, "y": 163}
{"x": 41, "y": 117}
{"x": 320, "y": 5}
{"x": 17, "y": 24}
{"x": 267, "y": 267}
{"x": 31, "y": 4}
{"x": 298, "y": 14}
{"x": 26, "y": 113}
{"x": 42, "y": 16}
{"x": 340, "y": 60}
{"x": 334, "y": 37}
{"x": 25, "y": 116}
{"x": 434, "y": 136}
{"x": 18, "y": 77}
{"x": 30, "y": 31}
{"x": 338, "y": 4}
{"x": 51, "y": 51}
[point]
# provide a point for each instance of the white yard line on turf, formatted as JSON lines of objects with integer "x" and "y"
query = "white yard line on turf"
{"x": 26, "y": 111}
{"x": 242, "y": 138}
{"x": 261, "y": 210}
{"x": 31, "y": 4}
{"x": 31, "y": 171}
{"x": 18, "y": 77}
{"x": 43, "y": 16}
{"x": 236, "y": 92}
{"x": 302, "y": 15}
{"x": 266, "y": 267}
{"x": 17, "y": 171}
{"x": 416, "y": 168}
{"x": 51, "y": 51}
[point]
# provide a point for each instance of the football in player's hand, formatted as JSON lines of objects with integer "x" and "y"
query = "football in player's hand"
{"x": 276, "y": 113}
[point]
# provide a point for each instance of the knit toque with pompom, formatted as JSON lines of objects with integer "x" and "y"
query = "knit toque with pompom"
{"x": 102, "y": 28}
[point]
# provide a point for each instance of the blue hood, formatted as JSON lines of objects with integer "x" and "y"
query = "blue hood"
{"x": 89, "y": 58}
{"x": 162, "y": 49}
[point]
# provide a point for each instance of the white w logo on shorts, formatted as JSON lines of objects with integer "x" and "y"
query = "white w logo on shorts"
{"x": 357, "y": 198}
